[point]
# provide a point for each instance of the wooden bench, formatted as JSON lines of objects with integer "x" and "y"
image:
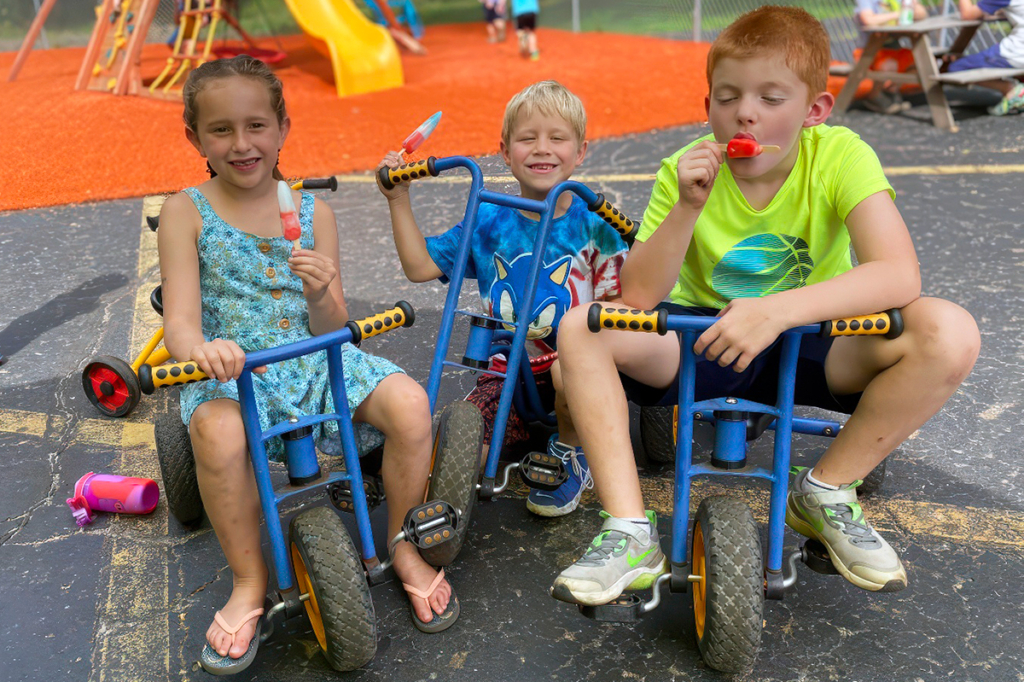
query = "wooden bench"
{"x": 977, "y": 76}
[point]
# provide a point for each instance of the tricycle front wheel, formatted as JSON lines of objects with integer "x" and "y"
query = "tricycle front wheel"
{"x": 728, "y": 593}
{"x": 328, "y": 569}
{"x": 111, "y": 385}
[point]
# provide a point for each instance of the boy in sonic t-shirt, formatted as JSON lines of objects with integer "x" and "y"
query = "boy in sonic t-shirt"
{"x": 764, "y": 244}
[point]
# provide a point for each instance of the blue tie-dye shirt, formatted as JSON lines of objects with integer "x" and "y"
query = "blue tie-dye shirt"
{"x": 582, "y": 259}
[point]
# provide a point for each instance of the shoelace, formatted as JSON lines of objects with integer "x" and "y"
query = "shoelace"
{"x": 599, "y": 554}
{"x": 577, "y": 468}
{"x": 859, "y": 531}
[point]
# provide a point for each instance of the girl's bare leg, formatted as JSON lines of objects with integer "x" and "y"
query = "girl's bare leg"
{"x": 399, "y": 408}
{"x": 228, "y": 488}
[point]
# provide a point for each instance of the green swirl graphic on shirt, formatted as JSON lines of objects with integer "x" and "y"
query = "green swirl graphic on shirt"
{"x": 761, "y": 265}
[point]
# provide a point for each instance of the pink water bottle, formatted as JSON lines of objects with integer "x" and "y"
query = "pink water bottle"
{"x": 112, "y": 493}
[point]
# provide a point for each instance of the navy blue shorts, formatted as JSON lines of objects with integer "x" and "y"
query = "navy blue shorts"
{"x": 526, "y": 22}
{"x": 492, "y": 14}
{"x": 986, "y": 59}
{"x": 759, "y": 382}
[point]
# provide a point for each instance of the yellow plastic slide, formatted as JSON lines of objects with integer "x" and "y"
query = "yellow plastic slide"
{"x": 364, "y": 56}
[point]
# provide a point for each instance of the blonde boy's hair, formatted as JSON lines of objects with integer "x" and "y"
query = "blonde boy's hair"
{"x": 550, "y": 98}
{"x": 788, "y": 31}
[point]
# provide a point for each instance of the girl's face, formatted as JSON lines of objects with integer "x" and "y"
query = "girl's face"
{"x": 237, "y": 131}
{"x": 542, "y": 152}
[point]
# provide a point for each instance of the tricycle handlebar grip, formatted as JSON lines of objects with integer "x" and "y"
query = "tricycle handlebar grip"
{"x": 889, "y": 324}
{"x": 152, "y": 378}
{"x": 616, "y": 218}
{"x": 402, "y": 315}
{"x": 407, "y": 172}
{"x": 330, "y": 183}
{"x": 627, "y": 319}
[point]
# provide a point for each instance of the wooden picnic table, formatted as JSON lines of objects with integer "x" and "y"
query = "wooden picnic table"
{"x": 926, "y": 73}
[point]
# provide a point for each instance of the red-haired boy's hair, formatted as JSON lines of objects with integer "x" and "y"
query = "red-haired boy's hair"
{"x": 788, "y": 31}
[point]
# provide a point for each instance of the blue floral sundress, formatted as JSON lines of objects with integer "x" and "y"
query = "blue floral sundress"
{"x": 250, "y": 296}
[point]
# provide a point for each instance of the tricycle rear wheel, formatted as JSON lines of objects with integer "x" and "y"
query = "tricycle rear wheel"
{"x": 178, "y": 468}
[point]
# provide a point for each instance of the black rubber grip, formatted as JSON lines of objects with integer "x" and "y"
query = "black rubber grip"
{"x": 402, "y": 315}
{"x": 330, "y": 183}
{"x": 407, "y": 172}
{"x": 627, "y": 319}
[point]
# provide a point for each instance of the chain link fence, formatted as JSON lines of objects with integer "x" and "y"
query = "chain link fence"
{"x": 71, "y": 21}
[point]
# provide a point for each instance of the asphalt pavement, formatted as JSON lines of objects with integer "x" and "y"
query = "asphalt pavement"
{"x": 129, "y": 597}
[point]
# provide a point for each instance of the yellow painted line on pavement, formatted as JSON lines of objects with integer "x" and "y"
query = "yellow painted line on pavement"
{"x": 133, "y": 641}
{"x": 891, "y": 171}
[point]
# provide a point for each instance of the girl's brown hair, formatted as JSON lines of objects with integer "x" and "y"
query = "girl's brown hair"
{"x": 791, "y": 32}
{"x": 245, "y": 66}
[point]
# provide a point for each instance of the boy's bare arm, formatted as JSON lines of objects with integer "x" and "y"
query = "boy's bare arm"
{"x": 653, "y": 266}
{"x": 417, "y": 264}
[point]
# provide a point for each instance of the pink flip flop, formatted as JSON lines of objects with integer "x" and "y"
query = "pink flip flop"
{"x": 439, "y": 622}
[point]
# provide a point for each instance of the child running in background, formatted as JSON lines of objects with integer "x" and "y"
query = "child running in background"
{"x": 710, "y": 241}
{"x": 494, "y": 17}
{"x": 543, "y": 140}
{"x": 232, "y": 284}
{"x": 525, "y": 12}
{"x": 1008, "y": 53}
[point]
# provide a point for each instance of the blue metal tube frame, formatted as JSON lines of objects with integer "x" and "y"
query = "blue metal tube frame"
{"x": 269, "y": 499}
{"x": 688, "y": 328}
{"x": 546, "y": 211}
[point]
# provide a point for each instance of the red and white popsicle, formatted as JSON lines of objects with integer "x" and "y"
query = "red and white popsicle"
{"x": 420, "y": 135}
{"x": 746, "y": 147}
{"x": 289, "y": 216}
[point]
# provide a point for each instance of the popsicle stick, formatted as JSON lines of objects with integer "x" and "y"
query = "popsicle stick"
{"x": 773, "y": 148}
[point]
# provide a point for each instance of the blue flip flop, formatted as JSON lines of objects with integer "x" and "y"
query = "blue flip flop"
{"x": 215, "y": 664}
{"x": 441, "y": 621}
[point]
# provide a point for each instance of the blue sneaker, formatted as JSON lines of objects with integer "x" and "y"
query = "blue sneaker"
{"x": 566, "y": 497}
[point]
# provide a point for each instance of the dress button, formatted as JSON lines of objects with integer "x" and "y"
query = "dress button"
{"x": 271, "y": 272}
{"x": 264, "y": 247}
{"x": 284, "y": 324}
{"x": 276, "y": 293}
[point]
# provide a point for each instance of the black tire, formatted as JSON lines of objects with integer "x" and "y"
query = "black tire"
{"x": 729, "y": 600}
{"x": 111, "y": 385}
{"x": 328, "y": 568}
{"x": 657, "y": 435}
{"x": 178, "y": 468}
{"x": 873, "y": 481}
{"x": 455, "y": 472}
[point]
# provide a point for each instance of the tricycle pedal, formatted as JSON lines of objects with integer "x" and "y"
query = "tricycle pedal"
{"x": 626, "y": 608}
{"x": 817, "y": 558}
{"x": 430, "y": 524}
{"x": 543, "y": 471}
{"x": 341, "y": 494}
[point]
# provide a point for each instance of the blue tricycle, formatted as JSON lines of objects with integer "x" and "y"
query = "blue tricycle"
{"x": 455, "y": 472}
{"x": 725, "y": 568}
{"x": 317, "y": 567}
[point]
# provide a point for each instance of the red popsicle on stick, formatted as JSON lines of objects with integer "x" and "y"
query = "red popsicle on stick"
{"x": 420, "y": 135}
{"x": 745, "y": 148}
{"x": 289, "y": 216}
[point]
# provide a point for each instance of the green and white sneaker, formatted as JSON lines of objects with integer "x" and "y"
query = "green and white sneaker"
{"x": 835, "y": 519}
{"x": 622, "y": 557}
{"x": 1012, "y": 103}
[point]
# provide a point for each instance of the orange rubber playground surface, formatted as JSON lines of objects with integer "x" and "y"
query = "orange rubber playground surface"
{"x": 63, "y": 147}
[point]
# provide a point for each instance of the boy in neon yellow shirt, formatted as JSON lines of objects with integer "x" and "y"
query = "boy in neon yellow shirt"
{"x": 764, "y": 244}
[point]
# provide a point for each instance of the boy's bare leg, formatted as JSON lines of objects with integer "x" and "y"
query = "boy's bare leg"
{"x": 597, "y": 402}
{"x": 229, "y": 494}
{"x": 905, "y": 382}
{"x": 566, "y": 429}
{"x": 399, "y": 408}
